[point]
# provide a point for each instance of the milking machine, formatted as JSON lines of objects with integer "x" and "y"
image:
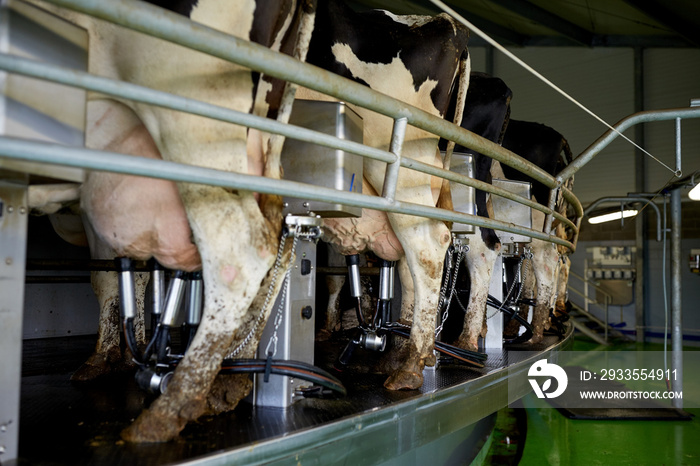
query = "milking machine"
{"x": 510, "y": 268}
{"x": 373, "y": 334}
{"x": 285, "y": 365}
{"x": 513, "y": 265}
{"x": 289, "y": 331}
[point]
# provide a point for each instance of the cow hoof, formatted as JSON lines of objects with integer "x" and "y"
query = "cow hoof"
{"x": 149, "y": 428}
{"x": 404, "y": 380}
{"x": 98, "y": 366}
{"x": 89, "y": 372}
{"x": 536, "y": 339}
{"x": 466, "y": 344}
{"x": 226, "y": 392}
{"x": 324, "y": 335}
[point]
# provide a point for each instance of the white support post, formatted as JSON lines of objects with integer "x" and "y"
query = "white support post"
{"x": 13, "y": 245}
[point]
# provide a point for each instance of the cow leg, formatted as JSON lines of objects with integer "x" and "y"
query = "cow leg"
{"x": 407, "y": 291}
{"x": 562, "y": 284}
{"x": 529, "y": 291}
{"x": 233, "y": 272}
{"x": 545, "y": 259}
{"x": 398, "y": 352}
{"x": 425, "y": 243}
{"x": 335, "y": 285}
{"x": 479, "y": 261}
{"x": 333, "y": 310}
{"x": 107, "y": 356}
{"x": 228, "y": 389}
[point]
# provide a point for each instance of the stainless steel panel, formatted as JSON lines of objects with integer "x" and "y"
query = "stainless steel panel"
{"x": 494, "y": 322}
{"x": 323, "y": 166}
{"x": 462, "y": 196}
{"x": 295, "y": 333}
{"x": 37, "y": 109}
{"x": 13, "y": 242}
{"x": 511, "y": 211}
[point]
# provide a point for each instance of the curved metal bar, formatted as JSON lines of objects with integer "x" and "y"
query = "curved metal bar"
{"x": 175, "y": 28}
{"x": 163, "y": 99}
{"x": 178, "y": 29}
{"x": 146, "y": 95}
{"x": 629, "y": 200}
{"x": 634, "y": 119}
{"x": 133, "y": 165}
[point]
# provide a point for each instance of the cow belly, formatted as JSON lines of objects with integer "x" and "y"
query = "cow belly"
{"x": 135, "y": 216}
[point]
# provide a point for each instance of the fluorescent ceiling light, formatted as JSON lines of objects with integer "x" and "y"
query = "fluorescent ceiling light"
{"x": 612, "y": 216}
{"x": 694, "y": 193}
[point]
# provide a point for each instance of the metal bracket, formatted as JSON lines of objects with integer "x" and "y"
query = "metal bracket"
{"x": 304, "y": 227}
{"x": 13, "y": 246}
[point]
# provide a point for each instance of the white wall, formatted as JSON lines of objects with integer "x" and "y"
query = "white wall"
{"x": 602, "y": 79}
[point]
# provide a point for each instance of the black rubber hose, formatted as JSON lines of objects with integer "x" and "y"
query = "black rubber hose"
{"x": 162, "y": 345}
{"x": 152, "y": 344}
{"x": 296, "y": 369}
{"x": 130, "y": 337}
{"x": 529, "y": 330}
{"x": 471, "y": 358}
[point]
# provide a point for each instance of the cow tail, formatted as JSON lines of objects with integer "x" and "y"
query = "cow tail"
{"x": 567, "y": 151}
{"x": 301, "y": 48}
{"x": 465, "y": 65}
{"x": 272, "y": 205}
{"x": 506, "y": 120}
{"x": 445, "y": 197}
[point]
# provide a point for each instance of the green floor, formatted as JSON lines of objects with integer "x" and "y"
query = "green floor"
{"x": 552, "y": 439}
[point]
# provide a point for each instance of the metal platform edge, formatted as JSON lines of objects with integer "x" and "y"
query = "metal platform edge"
{"x": 389, "y": 432}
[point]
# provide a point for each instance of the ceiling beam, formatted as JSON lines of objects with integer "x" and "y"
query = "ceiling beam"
{"x": 502, "y": 34}
{"x": 549, "y": 20}
{"x": 660, "y": 13}
{"x": 423, "y": 7}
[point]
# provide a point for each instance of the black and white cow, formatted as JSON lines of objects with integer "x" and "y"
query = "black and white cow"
{"x": 486, "y": 113}
{"x": 549, "y": 150}
{"x": 231, "y": 235}
{"x": 235, "y": 232}
{"x": 414, "y": 59}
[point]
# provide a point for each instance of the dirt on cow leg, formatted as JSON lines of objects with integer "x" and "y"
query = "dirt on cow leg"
{"x": 227, "y": 391}
{"x": 107, "y": 354}
{"x": 409, "y": 376}
{"x": 184, "y": 400}
{"x": 512, "y": 328}
{"x": 539, "y": 317}
{"x": 467, "y": 342}
{"x": 391, "y": 360}
{"x": 97, "y": 366}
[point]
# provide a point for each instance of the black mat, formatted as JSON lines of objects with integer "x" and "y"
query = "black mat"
{"x": 619, "y": 409}
{"x": 64, "y": 423}
{"x": 628, "y": 414}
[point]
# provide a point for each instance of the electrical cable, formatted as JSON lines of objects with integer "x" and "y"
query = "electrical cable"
{"x": 289, "y": 368}
{"x": 471, "y": 358}
{"x": 130, "y": 337}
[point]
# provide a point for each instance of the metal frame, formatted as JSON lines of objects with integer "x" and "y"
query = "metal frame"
{"x": 177, "y": 29}
{"x": 13, "y": 245}
{"x": 401, "y": 427}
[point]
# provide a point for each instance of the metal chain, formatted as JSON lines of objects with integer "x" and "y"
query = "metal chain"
{"x": 448, "y": 271}
{"x": 268, "y": 297}
{"x": 280, "y": 309}
{"x": 454, "y": 267}
{"x": 526, "y": 255}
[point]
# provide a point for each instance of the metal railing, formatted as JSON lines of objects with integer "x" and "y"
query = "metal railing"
{"x": 175, "y": 28}
{"x": 587, "y": 299}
